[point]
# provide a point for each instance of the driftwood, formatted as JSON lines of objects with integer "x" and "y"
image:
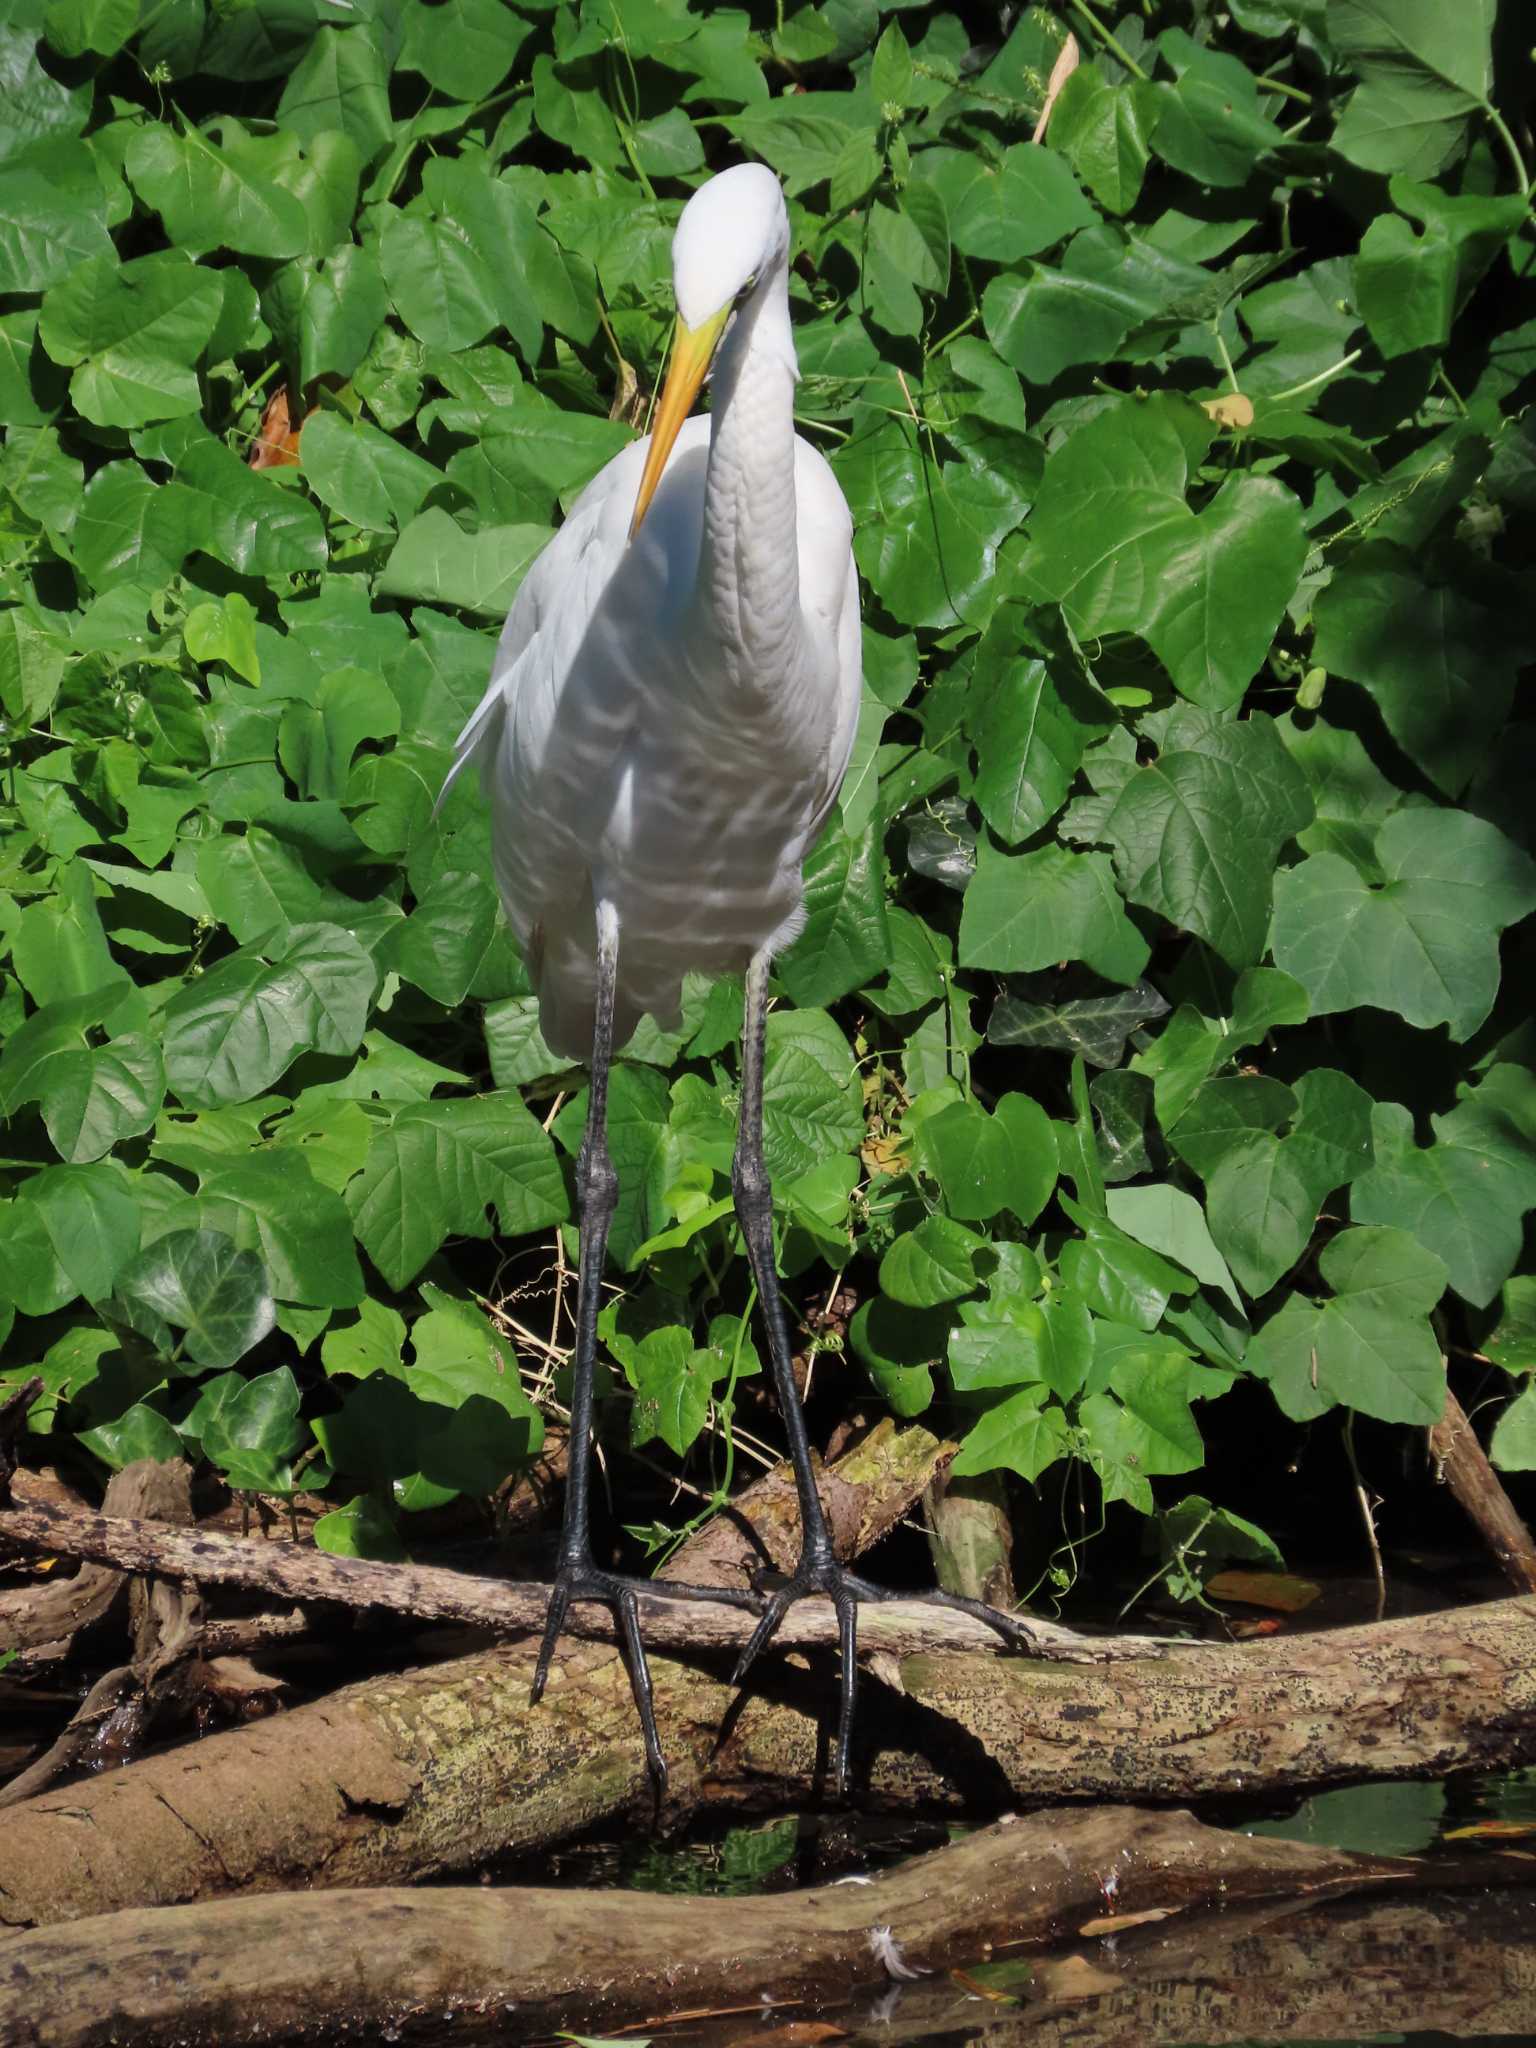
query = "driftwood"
{"x": 286, "y": 1966}
{"x": 438, "y": 1770}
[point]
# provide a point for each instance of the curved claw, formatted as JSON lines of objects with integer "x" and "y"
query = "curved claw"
{"x": 583, "y": 1582}
{"x": 778, "y": 1606}
{"x": 846, "y": 1590}
{"x": 554, "y": 1619}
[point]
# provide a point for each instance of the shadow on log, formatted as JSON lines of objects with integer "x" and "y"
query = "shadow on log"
{"x": 289, "y": 1967}
{"x": 442, "y": 1769}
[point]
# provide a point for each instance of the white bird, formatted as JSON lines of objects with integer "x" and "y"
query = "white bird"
{"x": 668, "y": 721}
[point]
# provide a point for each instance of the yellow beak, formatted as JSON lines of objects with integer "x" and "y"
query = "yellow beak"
{"x": 693, "y": 350}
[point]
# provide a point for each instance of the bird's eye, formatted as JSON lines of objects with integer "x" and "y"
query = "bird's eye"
{"x": 747, "y": 289}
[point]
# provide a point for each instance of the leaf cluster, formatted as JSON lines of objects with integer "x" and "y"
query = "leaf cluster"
{"x": 1160, "y": 1026}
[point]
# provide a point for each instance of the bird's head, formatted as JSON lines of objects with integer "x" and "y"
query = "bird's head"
{"x": 733, "y": 232}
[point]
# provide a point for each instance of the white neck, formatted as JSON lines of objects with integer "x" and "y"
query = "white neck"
{"x": 749, "y": 572}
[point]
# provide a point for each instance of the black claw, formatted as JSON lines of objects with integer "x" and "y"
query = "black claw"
{"x": 585, "y": 1582}
{"x": 847, "y": 1591}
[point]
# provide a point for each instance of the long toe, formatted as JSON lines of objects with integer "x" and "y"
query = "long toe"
{"x": 574, "y": 1582}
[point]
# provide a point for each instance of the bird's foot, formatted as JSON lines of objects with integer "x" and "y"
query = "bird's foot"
{"x": 846, "y": 1590}
{"x": 578, "y": 1579}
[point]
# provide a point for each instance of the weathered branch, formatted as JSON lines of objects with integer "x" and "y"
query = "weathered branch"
{"x": 438, "y": 1770}
{"x": 429, "y": 1592}
{"x": 1463, "y": 1463}
{"x": 276, "y": 1967}
{"x": 166, "y": 1630}
{"x": 43, "y": 1620}
{"x": 864, "y": 1494}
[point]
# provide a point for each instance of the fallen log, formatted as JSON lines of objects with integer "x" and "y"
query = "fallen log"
{"x": 290, "y": 1966}
{"x": 437, "y": 1770}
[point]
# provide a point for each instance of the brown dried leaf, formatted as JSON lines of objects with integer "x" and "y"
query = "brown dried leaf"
{"x": 1114, "y": 1923}
{"x": 276, "y": 445}
{"x": 1232, "y": 409}
{"x": 1278, "y": 1590}
{"x": 1066, "y": 63}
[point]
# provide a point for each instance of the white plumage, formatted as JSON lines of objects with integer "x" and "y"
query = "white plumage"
{"x": 669, "y": 717}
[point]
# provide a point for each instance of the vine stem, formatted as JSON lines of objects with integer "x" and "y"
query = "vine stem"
{"x": 1511, "y": 147}
{"x": 1109, "y": 39}
{"x": 1322, "y": 377}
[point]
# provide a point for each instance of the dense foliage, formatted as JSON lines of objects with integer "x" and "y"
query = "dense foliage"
{"x": 1159, "y": 1025}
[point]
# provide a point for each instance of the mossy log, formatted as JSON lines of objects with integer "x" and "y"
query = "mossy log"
{"x": 438, "y": 1770}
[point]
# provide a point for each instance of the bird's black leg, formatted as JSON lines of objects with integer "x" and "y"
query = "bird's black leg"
{"x": 818, "y": 1569}
{"x": 577, "y": 1577}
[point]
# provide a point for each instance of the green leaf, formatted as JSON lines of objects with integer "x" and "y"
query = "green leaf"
{"x": 1003, "y": 1343}
{"x": 229, "y": 1036}
{"x": 342, "y": 81}
{"x": 845, "y": 939}
{"x": 464, "y": 48}
{"x": 139, "y": 1432}
{"x": 363, "y": 475}
{"x": 1423, "y": 70}
{"x": 1026, "y": 202}
{"x": 272, "y": 1206}
{"x": 931, "y": 1264}
{"x": 1264, "y": 1191}
{"x": 1030, "y": 731}
{"x": 365, "y": 1527}
{"x": 988, "y": 1162}
{"x": 1208, "y": 124}
{"x": 1045, "y": 318}
{"x": 374, "y": 1343}
{"x": 1440, "y": 666}
{"x": 1513, "y": 1445}
{"x": 899, "y": 1348}
{"x": 925, "y": 536}
{"x": 437, "y": 1167}
{"x": 213, "y": 198}
{"x": 1370, "y": 1347}
{"x": 70, "y": 1231}
{"x": 317, "y": 742}
{"x": 1171, "y": 1222}
{"x": 1095, "y": 1026}
{"x": 812, "y": 1104}
{"x": 200, "y": 1284}
{"x": 131, "y": 333}
{"x": 103, "y": 26}
{"x": 1412, "y": 285}
{"x": 1029, "y": 911}
{"x": 1143, "y": 1427}
{"x": 1114, "y": 541}
{"x": 91, "y": 1096}
{"x": 436, "y": 559}
{"x": 1019, "y": 1435}
{"x": 1196, "y": 832}
{"x": 1425, "y": 944}
{"x": 672, "y": 1382}
{"x": 53, "y": 217}
{"x": 253, "y": 1434}
{"x": 327, "y": 311}
{"x": 1105, "y": 131}
{"x": 1462, "y": 1196}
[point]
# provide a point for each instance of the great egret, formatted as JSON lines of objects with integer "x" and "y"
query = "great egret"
{"x": 668, "y": 721}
